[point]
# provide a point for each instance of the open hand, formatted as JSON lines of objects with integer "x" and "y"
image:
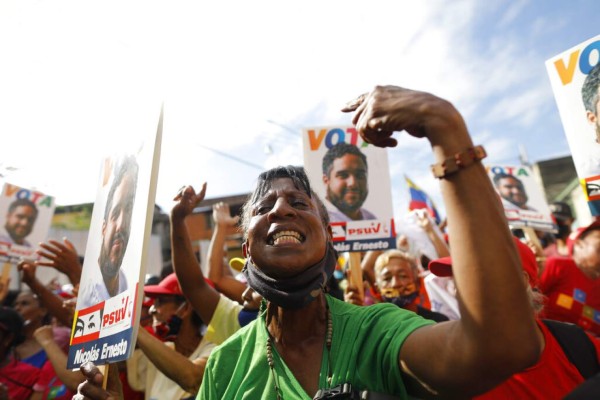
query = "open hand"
{"x": 222, "y": 215}
{"x": 61, "y": 256}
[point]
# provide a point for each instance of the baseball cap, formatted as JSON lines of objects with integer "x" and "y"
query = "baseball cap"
{"x": 168, "y": 287}
{"x": 561, "y": 210}
{"x": 443, "y": 266}
{"x": 578, "y": 233}
{"x": 237, "y": 263}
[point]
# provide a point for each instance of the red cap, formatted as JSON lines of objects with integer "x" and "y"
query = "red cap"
{"x": 443, "y": 266}
{"x": 577, "y": 233}
{"x": 168, "y": 287}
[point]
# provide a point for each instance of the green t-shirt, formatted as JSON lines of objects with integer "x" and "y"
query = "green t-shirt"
{"x": 365, "y": 350}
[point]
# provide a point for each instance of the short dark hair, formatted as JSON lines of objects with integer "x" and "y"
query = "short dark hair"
{"x": 127, "y": 166}
{"x": 589, "y": 90}
{"x": 339, "y": 150}
{"x": 503, "y": 175}
{"x": 301, "y": 182}
{"x": 22, "y": 203}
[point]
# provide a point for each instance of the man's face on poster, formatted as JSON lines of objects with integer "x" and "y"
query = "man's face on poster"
{"x": 594, "y": 119}
{"x": 19, "y": 222}
{"x": 512, "y": 189}
{"x": 117, "y": 227}
{"x": 346, "y": 183}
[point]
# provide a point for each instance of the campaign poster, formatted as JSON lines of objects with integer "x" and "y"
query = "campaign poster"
{"x": 575, "y": 79}
{"x": 353, "y": 179}
{"x": 522, "y": 197}
{"x": 109, "y": 299}
{"x": 25, "y": 218}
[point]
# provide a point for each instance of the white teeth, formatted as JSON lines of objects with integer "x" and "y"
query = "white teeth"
{"x": 286, "y": 237}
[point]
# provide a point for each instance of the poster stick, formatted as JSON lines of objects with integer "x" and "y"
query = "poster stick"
{"x": 6, "y": 272}
{"x": 104, "y": 371}
{"x": 5, "y": 280}
{"x": 355, "y": 277}
{"x": 531, "y": 236}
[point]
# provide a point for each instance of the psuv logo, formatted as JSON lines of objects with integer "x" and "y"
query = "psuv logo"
{"x": 118, "y": 314}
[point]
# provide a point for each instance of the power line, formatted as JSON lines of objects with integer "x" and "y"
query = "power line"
{"x": 232, "y": 157}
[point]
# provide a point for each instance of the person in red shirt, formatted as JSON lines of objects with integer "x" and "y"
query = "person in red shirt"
{"x": 554, "y": 375}
{"x": 572, "y": 285}
{"x": 17, "y": 377}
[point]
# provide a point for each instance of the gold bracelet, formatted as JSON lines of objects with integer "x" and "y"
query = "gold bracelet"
{"x": 460, "y": 160}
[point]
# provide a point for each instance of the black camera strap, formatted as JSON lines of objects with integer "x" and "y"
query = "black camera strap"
{"x": 345, "y": 391}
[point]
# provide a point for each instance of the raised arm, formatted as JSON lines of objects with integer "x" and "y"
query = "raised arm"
{"x": 223, "y": 281}
{"x": 49, "y": 300}
{"x": 426, "y": 224}
{"x": 200, "y": 294}
{"x": 187, "y": 374}
{"x": 45, "y": 337}
{"x": 496, "y": 335}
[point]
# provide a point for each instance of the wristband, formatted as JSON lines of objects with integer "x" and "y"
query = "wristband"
{"x": 460, "y": 160}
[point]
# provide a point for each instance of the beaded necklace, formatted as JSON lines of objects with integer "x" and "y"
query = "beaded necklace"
{"x": 328, "y": 339}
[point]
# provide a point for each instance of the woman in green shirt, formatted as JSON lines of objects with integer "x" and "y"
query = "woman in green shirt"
{"x": 304, "y": 342}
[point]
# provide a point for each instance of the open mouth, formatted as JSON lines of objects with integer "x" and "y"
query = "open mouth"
{"x": 284, "y": 237}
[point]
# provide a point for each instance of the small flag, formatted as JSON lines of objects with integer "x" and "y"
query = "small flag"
{"x": 420, "y": 200}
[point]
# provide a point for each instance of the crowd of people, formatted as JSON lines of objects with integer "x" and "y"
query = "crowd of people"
{"x": 493, "y": 317}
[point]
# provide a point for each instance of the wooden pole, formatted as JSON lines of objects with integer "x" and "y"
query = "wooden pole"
{"x": 355, "y": 277}
{"x": 6, "y": 272}
{"x": 531, "y": 236}
{"x": 104, "y": 371}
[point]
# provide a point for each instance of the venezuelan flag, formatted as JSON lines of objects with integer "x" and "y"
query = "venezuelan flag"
{"x": 420, "y": 200}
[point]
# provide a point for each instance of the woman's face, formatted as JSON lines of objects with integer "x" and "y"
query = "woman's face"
{"x": 286, "y": 234}
{"x": 28, "y": 306}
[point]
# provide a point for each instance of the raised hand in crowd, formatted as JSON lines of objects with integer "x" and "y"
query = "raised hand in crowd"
{"x": 222, "y": 215}
{"x": 218, "y": 271}
{"x": 201, "y": 295}
{"x": 44, "y": 335}
{"x": 427, "y": 225}
{"x": 50, "y": 301}
{"x": 486, "y": 266}
{"x": 61, "y": 256}
{"x": 28, "y": 270}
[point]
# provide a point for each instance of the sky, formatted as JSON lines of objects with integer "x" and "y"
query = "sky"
{"x": 239, "y": 80}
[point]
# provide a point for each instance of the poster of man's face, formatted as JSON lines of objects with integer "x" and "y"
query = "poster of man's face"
{"x": 511, "y": 189}
{"x": 345, "y": 173}
{"x": 575, "y": 78}
{"x": 20, "y": 218}
{"x": 116, "y": 226}
{"x": 117, "y": 251}
{"x": 353, "y": 180}
{"x": 522, "y": 197}
{"x": 25, "y": 217}
{"x": 590, "y": 93}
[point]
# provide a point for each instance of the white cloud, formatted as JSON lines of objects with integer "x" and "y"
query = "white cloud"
{"x": 77, "y": 77}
